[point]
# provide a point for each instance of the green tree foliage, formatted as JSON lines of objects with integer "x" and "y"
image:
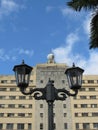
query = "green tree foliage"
{"x": 91, "y": 5}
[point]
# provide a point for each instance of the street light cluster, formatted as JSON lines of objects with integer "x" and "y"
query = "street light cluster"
{"x": 49, "y": 92}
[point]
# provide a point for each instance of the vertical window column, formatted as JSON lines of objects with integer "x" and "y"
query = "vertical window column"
{"x": 65, "y": 126}
{"x": 20, "y": 126}
{"x": 29, "y": 126}
{"x": 9, "y": 126}
{"x": 41, "y": 126}
{"x": 77, "y": 126}
{"x": 1, "y": 126}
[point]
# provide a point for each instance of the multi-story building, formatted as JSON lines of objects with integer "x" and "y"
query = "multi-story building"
{"x": 20, "y": 112}
{"x": 85, "y": 105}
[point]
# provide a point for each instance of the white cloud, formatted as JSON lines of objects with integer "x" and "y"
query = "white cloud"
{"x": 3, "y": 55}
{"x": 26, "y": 52}
{"x": 66, "y": 11}
{"x": 7, "y": 7}
{"x": 65, "y": 54}
{"x": 84, "y": 17}
{"x": 86, "y": 24}
{"x": 91, "y": 64}
{"x": 14, "y": 54}
{"x": 49, "y": 8}
{"x": 70, "y": 13}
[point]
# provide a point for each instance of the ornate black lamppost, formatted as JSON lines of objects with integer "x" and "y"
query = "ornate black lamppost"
{"x": 49, "y": 92}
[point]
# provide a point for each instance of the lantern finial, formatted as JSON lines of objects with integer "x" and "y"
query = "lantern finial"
{"x": 23, "y": 61}
{"x": 73, "y": 64}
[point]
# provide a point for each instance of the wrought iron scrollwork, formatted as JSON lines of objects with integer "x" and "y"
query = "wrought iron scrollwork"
{"x": 38, "y": 93}
{"x": 49, "y": 93}
{"x": 61, "y": 94}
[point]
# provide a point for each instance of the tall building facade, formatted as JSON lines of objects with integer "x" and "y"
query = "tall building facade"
{"x": 20, "y": 112}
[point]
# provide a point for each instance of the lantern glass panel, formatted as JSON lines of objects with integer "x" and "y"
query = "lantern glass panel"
{"x": 74, "y": 76}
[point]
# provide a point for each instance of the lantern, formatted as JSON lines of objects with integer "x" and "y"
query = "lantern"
{"x": 22, "y": 74}
{"x": 74, "y": 76}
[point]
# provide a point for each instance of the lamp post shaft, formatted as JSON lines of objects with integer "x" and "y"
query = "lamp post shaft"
{"x": 50, "y": 116}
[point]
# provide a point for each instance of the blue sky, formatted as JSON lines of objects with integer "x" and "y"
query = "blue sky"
{"x": 31, "y": 29}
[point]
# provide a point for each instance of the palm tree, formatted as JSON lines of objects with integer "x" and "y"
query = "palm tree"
{"x": 93, "y": 6}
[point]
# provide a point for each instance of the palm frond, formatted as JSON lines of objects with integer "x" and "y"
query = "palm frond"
{"x": 79, "y": 4}
{"x": 94, "y": 32}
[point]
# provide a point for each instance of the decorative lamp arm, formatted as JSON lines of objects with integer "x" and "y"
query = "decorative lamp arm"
{"x": 61, "y": 94}
{"x": 38, "y": 93}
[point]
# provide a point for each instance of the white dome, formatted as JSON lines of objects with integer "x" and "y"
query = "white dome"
{"x": 50, "y": 58}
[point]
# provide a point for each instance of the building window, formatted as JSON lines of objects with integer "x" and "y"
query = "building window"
{"x": 41, "y": 105}
{"x": 10, "y": 115}
{"x": 82, "y": 97}
{"x": 29, "y": 126}
{"x": 1, "y": 114}
{"x": 86, "y": 126}
{"x": 41, "y": 126}
{"x": 21, "y": 114}
{"x": 2, "y": 105}
{"x": 95, "y": 125}
{"x": 30, "y": 106}
{"x": 77, "y": 126}
{"x": 12, "y": 97}
{"x": 13, "y": 89}
{"x": 41, "y": 115}
{"x": 2, "y": 97}
{"x": 65, "y": 114}
{"x": 21, "y": 106}
{"x": 84, "y": 114}
{"x": 11, "y": 106}
{"x": 93, "y": 105}
{"x": 9, "y": 126}
{"x": 64, "y": 105}
{"x": 95, "y": 114}
{"x": 13, "y": 81}
{"x": 91, "y": 89}
{"x": 1, "y": 126}
{"x": 20, "y": 126}
{"x": 92, "y": 97}
{"x": 63, "y": 81}
{"x": 91, "y": 81}
{"x": 3, "y": 81}
{"x": 82, "y": 89}
{"x": 54, "y": 126}
{"x": 65, "y": 126}
{"x": 3, "y": 89}
{"x": 83, "y": 81}
{"x": 41, "y": 81}
{"x": 83, "y": 105}
{"x": 75, "y": 105}
{"x": 22, "y": 97}
{"x": 30, "y": 114}
{"x": 76, "y": 114}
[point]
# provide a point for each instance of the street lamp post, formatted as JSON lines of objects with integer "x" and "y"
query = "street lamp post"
{"x": 49, "y": 92}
